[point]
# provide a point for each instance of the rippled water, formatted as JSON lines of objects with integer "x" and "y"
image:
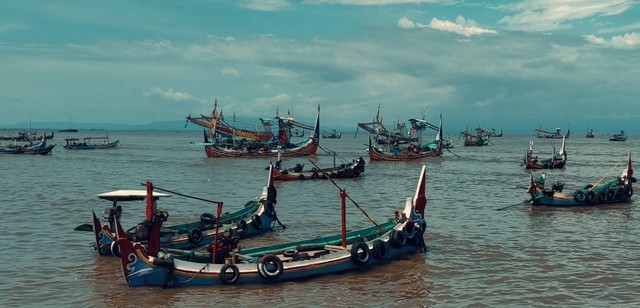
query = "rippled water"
{"x": 477, "y": 256}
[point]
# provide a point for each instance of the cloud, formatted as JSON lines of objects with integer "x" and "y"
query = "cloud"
{"x": 625, "y": 41}
{"x": 229, "y": 71}
{"x": 376, "y": 2}
{"x": 406, "y": 23}
{"x": 462, "y": 26}
{"x": 265, "y": 5}
{"x": 172, "y": 95}
{"x": 546, "y": 15}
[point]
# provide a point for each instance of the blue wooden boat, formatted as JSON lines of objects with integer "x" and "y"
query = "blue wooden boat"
{"x": 618, "y": 190}
{"x": 557, "y": 159}
{"x": 87, "y": 144}
{"x": 256, "y": 217}
{"x": 401, "y": 235}
{"x": 39, "y": 148}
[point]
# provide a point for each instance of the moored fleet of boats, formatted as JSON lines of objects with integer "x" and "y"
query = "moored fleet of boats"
{"x": 207, "y": 249}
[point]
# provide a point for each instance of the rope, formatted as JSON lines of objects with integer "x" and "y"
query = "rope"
{"x": 354, "y": 202}
{"x": 596, "y": 184}
{"x": 183, "y": 195}
{"x": 194, "y": 276}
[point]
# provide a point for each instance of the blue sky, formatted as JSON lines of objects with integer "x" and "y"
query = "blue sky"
{"x": 506, "y": 64}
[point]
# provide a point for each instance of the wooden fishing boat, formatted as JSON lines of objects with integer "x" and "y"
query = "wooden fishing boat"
{"x": 493, "y": 133}
{"x": 590, "y": 133}
{"x": 542, "y": 133}
{"x": 39, "y": 148}
{"x": 27, "y": 136}
{"x": 256, "y": 217}
{"x": 480, "y": 138}
{"x": 557, "y": 159}
{"x": 382, "y": 135}
{"x": 221, "y": 127}
{"x": 86, "y": 144}
{"x": 410, "y": 152}
{"x": 224, "y": 147}
{"x": 350, "y": 170}
{"x": 333, "y": 134}
{"x": 622, "y": 136}
{"x": 229, "y": 264}
{"x": 618, "y": 190}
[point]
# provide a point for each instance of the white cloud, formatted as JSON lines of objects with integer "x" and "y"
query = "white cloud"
{"x": 376, "y": 2}
{"x": 229, "y": 71}
{"x": 625, "y": 41}
{"x": 546, "y": 15}
{"x": 173, "y": 95}
{"x": 265, "y": 5}
{"x": 462, "y": 26}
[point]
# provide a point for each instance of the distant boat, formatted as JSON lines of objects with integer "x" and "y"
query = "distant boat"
{"x": 75, "y": 144}
{"x": 590, "y": 133}
{"x": 70, "y": 130}
{"x": 541, "y": 133}
{"x": 622, "y": 136}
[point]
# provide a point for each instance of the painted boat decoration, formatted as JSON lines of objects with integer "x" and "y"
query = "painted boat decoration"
{"x": 255, "y": 218}
{"x": 222, "y": 147}
{"x": 39, "y": 148}
{"x": 86, "y": 144}
{"x": 226, "y": 265}
{"x": 345, "y": 170}
{"x": 618, "y": 190}
{"x": 622, "y": 136}
{"x": 542, "y": 133}
{"x": 557, "y": 159}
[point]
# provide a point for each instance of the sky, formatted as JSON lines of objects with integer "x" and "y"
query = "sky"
{"x": 516, "y": 65}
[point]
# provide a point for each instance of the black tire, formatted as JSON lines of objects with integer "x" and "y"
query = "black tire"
{"x": 380, "y": 250}
{"x": 232, "y": 277}
{"x": 314, "y": 175}
{"x": 602, "y": 196}
{"x": 579, "y": 196}
{"x": 256, "y": 222}
{"x": 397, "y": 239}
{"x": 115, "y": 249}
{"x": 591, "y": 197}
{"x": 290, "y": 253}
{"x": 301, "y": 176}
{"x": 360, "y": 253}
{"x": 195, "y": 236}
{"x": 241, "y": 225}
{"x": 611, "y": 194}
{"x": 270, "y": 267}
{"x": 207, "y": 219}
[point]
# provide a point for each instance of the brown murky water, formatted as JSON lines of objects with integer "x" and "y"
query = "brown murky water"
{"x": 477, "y": 256}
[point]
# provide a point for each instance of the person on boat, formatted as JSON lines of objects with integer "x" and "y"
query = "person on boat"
{"x": 539, "y": 181}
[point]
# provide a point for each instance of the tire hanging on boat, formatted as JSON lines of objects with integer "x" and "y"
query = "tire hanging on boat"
{"x": 269, "y": 208}
{"x": 579, "y": 196}
{"x": 602, "y": 196}
{"x": 611, "y": 194}
{"x": 360, "y": 253}
{"x": 195, "y": 236}
{"x": 591, "y": 197}
{"x": 232, "y": 277}
{"x": 207, "y": 219}
{"x": 380, "y": 250}
{"x": 397, "y": 239}
{"x": 270, "y": 267}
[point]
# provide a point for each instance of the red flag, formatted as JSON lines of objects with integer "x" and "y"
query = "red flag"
{"x": 629, "y": 172}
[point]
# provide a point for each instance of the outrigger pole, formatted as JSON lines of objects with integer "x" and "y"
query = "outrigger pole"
{"x": 346, "y": 195}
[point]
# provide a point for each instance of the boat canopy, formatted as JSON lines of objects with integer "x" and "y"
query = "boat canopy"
{"x": 129, "y": 195}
